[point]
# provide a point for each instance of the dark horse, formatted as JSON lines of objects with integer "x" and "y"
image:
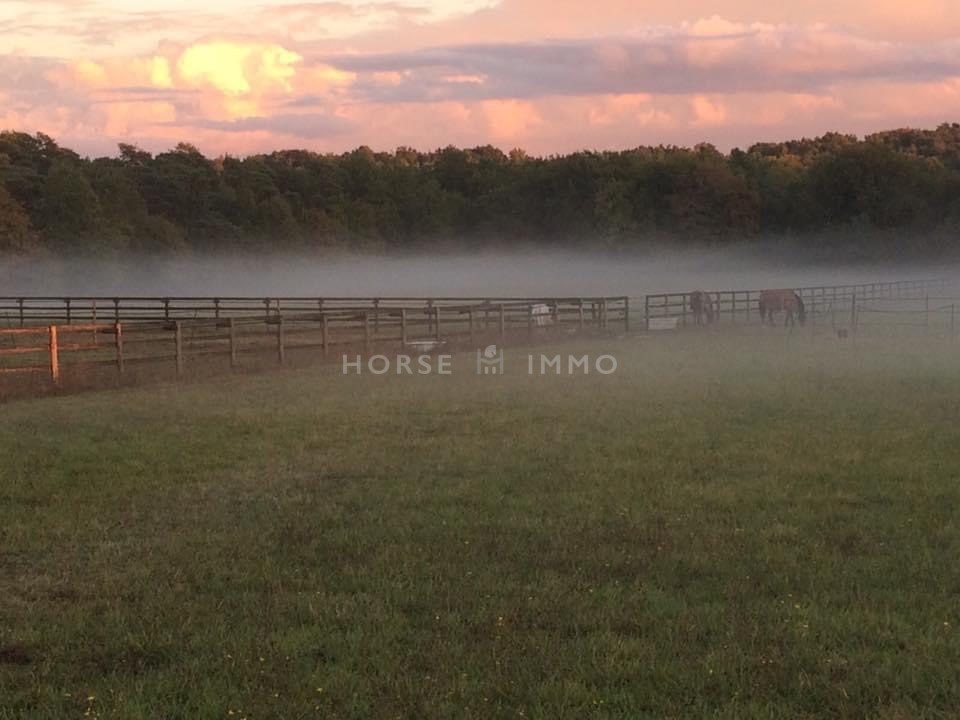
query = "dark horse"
{"x": 787, "y": 301}
{"x": 705, "y": 311}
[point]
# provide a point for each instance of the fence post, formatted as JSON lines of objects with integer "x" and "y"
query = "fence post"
{"x": 580, "y": 308}
{"x": 853, "y": 314}
{"x": 626, "y": 314}
{"x": 54, "y": 356}
{"x": 281, "y": 350}
{"x": 20, "y": 303}
{"x": 233, "y": 343}
{"x": 403, "y": 327}
{"x": 429, "y": 317}
{"x": 324, "y": 333}
{"x": 470, "y": 320}
{"x": 216, "y": 308}
{"x": 530, "y": 321}
{"x": 503, "y": 323}
{"x": 646, "y": 312}
{"x": 366, "y": 330}
{"x": 436, "y": 323}
{"x": 116, "y": 309}
{"x": 66, "y": 302}
{"x": 94, "y": 320}
{"x": 178, "y": 342}
{"x": 603, "y": 313}
{"x": 118, "y": 343}
{"x": 166, "y": 308}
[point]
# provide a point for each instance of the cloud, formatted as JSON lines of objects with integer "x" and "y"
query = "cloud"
{"x": 729, "y": 81}
{"x": 71, "y": 28}
{"x": 711, "y": 56}
{"x": 307, "y": 126}
{"x": 236, "y": 68}
{"x": 707, "y": 111}
{"x": 511, "y": 119}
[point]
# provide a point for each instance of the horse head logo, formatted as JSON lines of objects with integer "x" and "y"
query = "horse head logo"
{"x": 490, "y": 361}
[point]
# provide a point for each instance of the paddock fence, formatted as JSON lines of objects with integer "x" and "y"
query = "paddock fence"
{"x": 667, "y": 311}
{"x": 27, "y": 311}
{"x": 51, "y": 338}
{"x": 71, "y": 344}
{"x": 929, "y": 315}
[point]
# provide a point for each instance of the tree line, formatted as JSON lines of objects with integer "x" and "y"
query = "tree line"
{"x": 54, "y": 200}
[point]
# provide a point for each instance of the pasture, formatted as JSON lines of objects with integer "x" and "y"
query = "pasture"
{"x": 737, "y": 524}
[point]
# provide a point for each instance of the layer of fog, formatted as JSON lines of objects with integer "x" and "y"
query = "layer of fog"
{"x": 522, "y": 274}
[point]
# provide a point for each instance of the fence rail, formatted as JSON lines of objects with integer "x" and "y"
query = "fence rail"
{"x": 735, "y": 306}
{"x": 25, "y": 311}
{"x": 50, "y": 350}
{"x": 50, "y": 336}
{"x": 937, "y": 314}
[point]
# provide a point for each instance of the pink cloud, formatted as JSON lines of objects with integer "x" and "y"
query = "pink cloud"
{"x": 613, "y": 74}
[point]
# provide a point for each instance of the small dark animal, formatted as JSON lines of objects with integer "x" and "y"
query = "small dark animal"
{"x": 705, "y": 310}
{"x": 785, "y": 301}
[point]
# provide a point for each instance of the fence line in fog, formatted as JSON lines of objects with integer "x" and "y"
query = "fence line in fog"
{"x": 25, "y": 311}
{"x": 47, "y": 336}
{"x": 85, "y": 346}
{"x": 741, "y": 305}
{"x": 928, "y": 313}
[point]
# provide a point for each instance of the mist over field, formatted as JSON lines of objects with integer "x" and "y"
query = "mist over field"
{"x": 523, "y": 273}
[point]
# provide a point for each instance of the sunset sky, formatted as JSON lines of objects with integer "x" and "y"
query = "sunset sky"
{"x": 244, "y": 76}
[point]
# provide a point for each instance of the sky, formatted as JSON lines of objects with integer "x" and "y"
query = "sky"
{"x": 549, "y": 76}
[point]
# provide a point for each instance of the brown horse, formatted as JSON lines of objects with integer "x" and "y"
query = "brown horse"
{"x": 786, "y": 301}
{"x": 705, "y": 310}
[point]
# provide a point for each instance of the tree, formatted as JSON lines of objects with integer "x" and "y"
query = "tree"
{"x": 71, "y": 210}
{"x": 132, "y": 155}
{"x": 476, "y": 197}
{"x": 16, "y": 235}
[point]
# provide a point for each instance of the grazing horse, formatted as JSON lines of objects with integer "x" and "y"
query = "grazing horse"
{"x": 786, "y": 301}
{"x": 705, "y": 311}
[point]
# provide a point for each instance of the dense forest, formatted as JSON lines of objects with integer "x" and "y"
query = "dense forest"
{"x": 902, "y": 183}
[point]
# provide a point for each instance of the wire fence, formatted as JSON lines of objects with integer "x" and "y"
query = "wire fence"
{"x": 927, "y": 315}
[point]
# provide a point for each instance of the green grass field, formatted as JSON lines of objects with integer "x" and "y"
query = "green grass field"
{"x": 732, "y": 526}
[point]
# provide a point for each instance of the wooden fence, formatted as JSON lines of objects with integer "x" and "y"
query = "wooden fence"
{"x": 420, "y": 325}
{"x": 739, "y": 306}
{"x": 26, "y": 311}
{"x": 48, "y": 336}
